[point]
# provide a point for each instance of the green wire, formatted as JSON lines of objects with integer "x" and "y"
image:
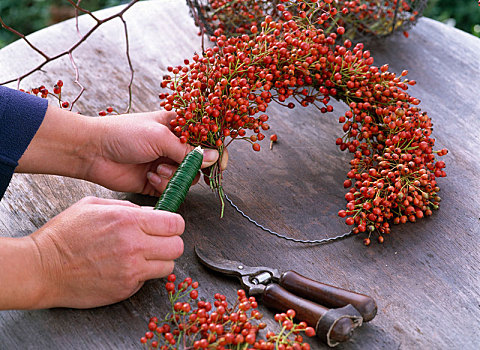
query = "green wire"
{"x": 180, "y": 183}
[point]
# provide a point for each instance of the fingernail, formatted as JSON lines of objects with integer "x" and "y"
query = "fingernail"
{"x": 210, "y": 155}
{"x": 164, "y": 171}
{"x": 153, "y": 178}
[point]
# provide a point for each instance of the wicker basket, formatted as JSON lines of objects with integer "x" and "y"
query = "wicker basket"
{"x": 366, "y": 21}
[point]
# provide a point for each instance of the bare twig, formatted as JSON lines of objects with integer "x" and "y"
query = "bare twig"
{"x": 69, "y": 51}
{"x": 77, "y": 7}
{"x": 17, "y": 33}
{"x": 76, "y": 17}
{"x": 77, "y": 80}
{"x": 132, "y": 72}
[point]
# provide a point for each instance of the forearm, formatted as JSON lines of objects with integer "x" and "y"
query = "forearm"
{"x": 20, "y": 274}
{"x": 63, "y": 145}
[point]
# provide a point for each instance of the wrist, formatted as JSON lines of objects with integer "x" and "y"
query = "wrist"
{"x": 23, "y": 284}
{"x": 63, "y": 145}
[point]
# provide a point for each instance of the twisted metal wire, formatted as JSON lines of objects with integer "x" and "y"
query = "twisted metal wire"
{"x": 279, "y": 235}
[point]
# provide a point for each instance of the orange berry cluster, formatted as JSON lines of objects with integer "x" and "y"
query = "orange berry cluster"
{"x": 43, "y": 92}
{"x": 196, "y": 324}
{"x": 223, "y": 94}
{"x": 56, "y": 93}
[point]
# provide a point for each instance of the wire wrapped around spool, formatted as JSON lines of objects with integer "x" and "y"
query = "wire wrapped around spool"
{"x": 180, "y": 183}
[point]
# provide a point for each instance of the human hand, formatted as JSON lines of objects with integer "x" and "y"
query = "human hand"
{"x": 138, "y": 153}
{"x": 101, "y": 251}
{"x": 131, "y": 153}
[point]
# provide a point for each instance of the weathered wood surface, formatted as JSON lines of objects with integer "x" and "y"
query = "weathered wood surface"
{"x": 425, "y": 277}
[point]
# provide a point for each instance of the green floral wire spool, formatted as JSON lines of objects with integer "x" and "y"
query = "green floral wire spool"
{"x": 180, "y": 183}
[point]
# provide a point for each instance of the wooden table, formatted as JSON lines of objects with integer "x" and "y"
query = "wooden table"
{"x": 425, "y": 277}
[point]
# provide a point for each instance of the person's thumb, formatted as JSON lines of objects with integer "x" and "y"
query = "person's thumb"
{"x": 210, "y": 156}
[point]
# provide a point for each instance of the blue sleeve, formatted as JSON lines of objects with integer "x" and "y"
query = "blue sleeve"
{"x": 20, "y": 117}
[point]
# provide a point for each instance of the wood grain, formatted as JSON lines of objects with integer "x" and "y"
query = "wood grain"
{"x": 425, "y": 277}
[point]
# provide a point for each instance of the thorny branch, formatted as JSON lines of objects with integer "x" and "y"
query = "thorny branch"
{"x": 69, "y": 51}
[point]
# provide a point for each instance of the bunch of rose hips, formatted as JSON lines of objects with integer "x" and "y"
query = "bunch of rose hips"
{"x": 223, "y": 96}
{"x": 362, "y": 19}
{"x": 44, "y": 93}
{"x": 196, "y": 324}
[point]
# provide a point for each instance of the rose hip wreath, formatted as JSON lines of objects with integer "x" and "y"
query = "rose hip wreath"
{"x": 223, "y": 95}
{"x": 362, "y": 19}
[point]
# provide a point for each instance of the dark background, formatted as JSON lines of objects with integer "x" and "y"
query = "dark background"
{"x": 28, "y": 16}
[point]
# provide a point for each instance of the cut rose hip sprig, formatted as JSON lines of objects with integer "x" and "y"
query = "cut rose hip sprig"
{"x": 198, "y": 324}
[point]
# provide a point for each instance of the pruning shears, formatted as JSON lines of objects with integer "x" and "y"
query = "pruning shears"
{"x": 332, "y": 311}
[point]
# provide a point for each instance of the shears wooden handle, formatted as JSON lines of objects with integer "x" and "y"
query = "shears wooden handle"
{"x": 331, "y": 325}
{"x": 327, "y": 295}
